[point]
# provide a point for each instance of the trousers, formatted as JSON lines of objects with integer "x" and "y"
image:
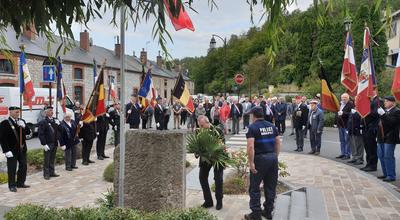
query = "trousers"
{"x": 357, "y": 147}
{"x": 267, "y": 172}
{"x": 370, "y": 145}
{"x": 19, "y": 158}
{"x": 101, "y": 143}
{"x": 235, "y": 125}
{"x": 218, "y": 178}
{"x": 299, "y": 138}
{"x": 70, "y": 157}
{"x": 49, "y": 160}
{"x": 388, "y": 161}
{"x": 86, "y": 149}
{"x": 315, "y": 140}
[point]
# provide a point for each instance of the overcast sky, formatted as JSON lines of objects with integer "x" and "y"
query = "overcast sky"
{"x": 232, "y": 17}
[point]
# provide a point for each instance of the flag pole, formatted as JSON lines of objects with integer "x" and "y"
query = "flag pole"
{"x": 121, "y": 175}
{"x": 21, "y": 71}
{"x": 57, "y": 85}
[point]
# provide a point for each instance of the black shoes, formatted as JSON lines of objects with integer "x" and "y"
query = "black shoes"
{"x": 68, "y": 169}
{"x": 23, "y": 186}
{"x": 267, "y": 215}
{"x": 340, "y": 156}
{"x": 311, "y": 152}
{"x": 388, "y": 180}
{"x": 13, "y": 189}
{"x": 104, "y": 156}
{"x": 219, "y": 205}
{"x": 54, "y": 175}
{"x": 368, "y": 169}
{"x": 352, "y": 161}
{"x": 253, "y": 216}
{"x": 345, "y": 158}
{"x": 358, "y": 162}
{"x": 100, "y": 158}
{"x": 46, "y": 177}
{"x": 75, "y": 167}
{"x": 299, "y": 150}
{"x": 207, "y": 205}
{"x": 90, "y": 161}
{"x": 381, "y": 177}
{"x": 317, "y": 153}
{"x": 85, "y": 163}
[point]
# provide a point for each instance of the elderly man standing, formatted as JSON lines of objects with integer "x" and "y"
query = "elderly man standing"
{"x": 246, "y": 112}
{"x": 49, "y": 131}
{"x": 316, "y": 125}
{"x": 133, "y": 109}
{"x": 235, "y": 114}
{"x": 280, "y": 115}
{"x": 341, "y": 121}
{"x": 300, "y": 122}
{"x": 68, "y": 141}
{"x": 14, "y": 151}
{"x": 354, "y": 127}
{"x": 388, "y": 138}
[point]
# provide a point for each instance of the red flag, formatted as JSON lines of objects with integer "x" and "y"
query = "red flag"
{"x": 349, "y": 73}
{"x": 396, "y": 81}
{"x": 182, "y": 21}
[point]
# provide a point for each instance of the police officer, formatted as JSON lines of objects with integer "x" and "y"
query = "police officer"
{"x": 133, "y": 112}
{"x": 114, "y": 112}
{"x": 49, "y": 131}
{"x": 102, "y": 126}
{"x": 13, "y": 150}
{"x": 263, "y": 146}
{"x": 205, "y": 170}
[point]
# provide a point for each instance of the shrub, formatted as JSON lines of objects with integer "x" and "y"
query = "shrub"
{"x": 108, "y": 200}
{"x": 329, "y": 119}
{"x": 35, "y": 157}
{"x": 282, "y": 169}
{"x": 240, "y": 162}
{"x": 28, "y": 212}
{"x": 188, "y": 164}
{"x": 3, "y": 178}
{"x": 108, "y": 173}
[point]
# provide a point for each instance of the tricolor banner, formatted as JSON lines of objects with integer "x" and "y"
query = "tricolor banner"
{"x": 183, "y": 20}
{"x": 61, "y": 91}
{"x": 396, "y": 81}
{"x": 25, "y": 81}
{"x": 349, "y": 72}
{"x": 148, "y": 92}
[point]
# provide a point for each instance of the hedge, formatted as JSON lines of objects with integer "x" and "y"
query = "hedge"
{"x": 29, "y": 212}
{"x": 108, "y": 173}
{"x": 3, "y": 178}
{"x": 35, "y": 157}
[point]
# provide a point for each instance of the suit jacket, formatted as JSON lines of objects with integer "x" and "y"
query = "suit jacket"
{"x": 236, "y": 112}
{"x": 49, "y": 132}
{"x": 354, "y": 125}
{"x": 390, "y": 125}
{"x": 88, "y": 131}
{"x": 114, "y": 118}
{"x": 280, "y": 111}
{"x": 371, "y": 122}
{"x": 341, "y": 120}
{"x": 68, "y": 136}
{"x": 134, "y": 117}
{"x": 9, "y": 136}
{"x": 158, "y": 114}
{"x": 102, "y": 124}
{"x": 300, "y": 116}
{"x": 316, "y": 120}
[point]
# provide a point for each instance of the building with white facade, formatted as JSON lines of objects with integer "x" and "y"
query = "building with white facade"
{"x": 393, "y": 39}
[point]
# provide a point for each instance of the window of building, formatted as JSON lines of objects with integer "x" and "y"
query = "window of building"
{"x": 165, "y": 83}
{"x": 165, "y": 93}
{"x": 78, "y": 93}
{"x": 393, "y": 30}
{"x": 6, "y": 66}
{"x": 78, "y": 73}
{"x": 394, "y": 59}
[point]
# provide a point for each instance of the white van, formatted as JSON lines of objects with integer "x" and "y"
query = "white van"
{"x": 10, "y": 96}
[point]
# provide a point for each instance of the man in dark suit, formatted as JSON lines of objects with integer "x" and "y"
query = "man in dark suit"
{"x": 114, "y": 112}
{"x": 102, "y": 126}
{"x": 315, "y": 123}
{"x": 354, "y": 127}
{"x": 208, "y": 106}
{"x": 387, "y": 140}
{"x": 235, "y": 115}
{"x": 68, "y": 141}
{"x": 49, "y": 131}
{"x": 280, "y": 115}
{"x": 88, "y": 134}
{"x": 159, "y": 114}
{"x": 371, "y": 127}
{"x": 300, "y": 122}
{"x": 14, "y": 150}
{"x": 133, "y": 112}
{"x": 341, "y": 119}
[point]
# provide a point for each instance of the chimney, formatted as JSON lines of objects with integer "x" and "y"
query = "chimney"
{"x": 84, "y": 40}
{"x": 159, "y": 61}
{"x": 30, "y": 32}
{"x": 143, "y": 57}
{"x": 117, "y": 48}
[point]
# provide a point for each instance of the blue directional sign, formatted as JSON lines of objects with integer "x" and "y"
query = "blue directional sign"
{"x": 49, "y": 73}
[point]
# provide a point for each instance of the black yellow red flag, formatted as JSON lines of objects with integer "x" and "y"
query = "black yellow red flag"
{"x": 96, "y": 104}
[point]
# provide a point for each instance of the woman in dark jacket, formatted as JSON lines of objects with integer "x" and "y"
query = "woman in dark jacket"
{"x": 68, "y": 141}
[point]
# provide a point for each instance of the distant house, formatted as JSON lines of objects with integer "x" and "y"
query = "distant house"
{"x": 78, "y": 66}
{"x": 393, "y": 39}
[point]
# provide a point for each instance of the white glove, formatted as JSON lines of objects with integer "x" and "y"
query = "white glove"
{"x": 129, "y": 111}
{"x": 57, "y": 121}
{"x": 340, "y": 113}
{"x": 21, "y": 123}
{"x": 9, "y": 154}
{"x": 81, "y": 123}
{"x": 107, "y": 115}
{"x": 381, "y": 111}
{"x": 63, "y": 147}
{"x": 46, "y": 147}
{"x": 304, "y": 127}
{"x": 158, "y": 124}
{"x": 97, "y": 133}
{"x": 353, "y": 111}
{"x": 115, "y": 128}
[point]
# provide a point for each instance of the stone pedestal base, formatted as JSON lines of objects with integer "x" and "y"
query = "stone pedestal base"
{"x": 154, "y": 170}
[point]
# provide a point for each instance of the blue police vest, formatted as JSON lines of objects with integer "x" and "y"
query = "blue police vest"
{"x": 264, "y": 134}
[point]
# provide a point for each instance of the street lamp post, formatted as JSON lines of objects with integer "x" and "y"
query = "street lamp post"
{"x": 347, "y": 24}
{"x": 212, "y": 46}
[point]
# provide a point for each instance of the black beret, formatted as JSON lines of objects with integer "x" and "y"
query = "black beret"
{"x": 14, "y": 108}
{"x": 48, "y": 107}
{"x": 390, "y": 98}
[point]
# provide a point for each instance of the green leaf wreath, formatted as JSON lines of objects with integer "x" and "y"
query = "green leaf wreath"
{"x": 207, "y": 144}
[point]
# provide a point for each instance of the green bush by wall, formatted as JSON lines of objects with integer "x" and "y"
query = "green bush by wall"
{"x": 35, "y": 157}
{"x": 108, "y": 173}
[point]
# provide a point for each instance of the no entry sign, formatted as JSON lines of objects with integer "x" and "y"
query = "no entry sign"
{"x": 239, "y": 79}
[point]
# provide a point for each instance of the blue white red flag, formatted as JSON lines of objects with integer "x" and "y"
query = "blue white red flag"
{"x": 25, "y": 81}
{"x": 147, "y": 91}
{"x": 61, "y": 91}
{"x": 349, "y": 77}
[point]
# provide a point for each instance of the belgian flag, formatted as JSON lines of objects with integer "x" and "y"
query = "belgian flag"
{"x": 181, "y": 92}
{"x": 329, "y": 101}
{"x": 96, "y": 104}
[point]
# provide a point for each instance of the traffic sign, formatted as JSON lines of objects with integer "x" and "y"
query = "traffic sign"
{"x": 49, "y": 73}
{"x": 239, "y": 79}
